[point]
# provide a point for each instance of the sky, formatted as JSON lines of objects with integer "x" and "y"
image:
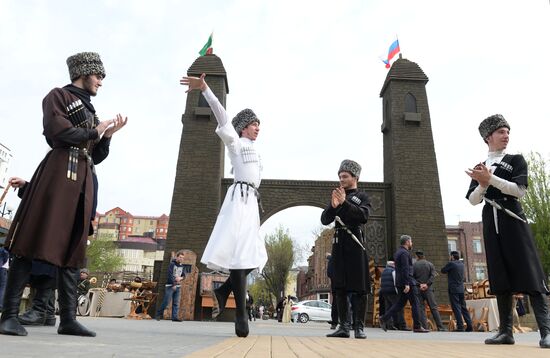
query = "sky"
{"x": 311, "y": 70}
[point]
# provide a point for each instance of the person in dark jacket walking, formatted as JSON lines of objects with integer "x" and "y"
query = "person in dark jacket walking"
{"x": 249, "y": 306}
{"x": 455, "y": 271}
{"x": 173, "y": 287}
{"x": 349, "y": 208}
{"x": 512, "y": 259}
{"x": 406, "y": 286}
{"x": 388, "y": 295}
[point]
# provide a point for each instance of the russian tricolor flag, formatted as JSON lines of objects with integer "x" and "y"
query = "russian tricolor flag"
{"x": 394, "y": 50}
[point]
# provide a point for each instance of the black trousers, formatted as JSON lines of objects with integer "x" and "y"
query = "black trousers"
{"x": 402, "y": 299}
{"x": 398, "y": 317}
{"x": 458, "y": 304}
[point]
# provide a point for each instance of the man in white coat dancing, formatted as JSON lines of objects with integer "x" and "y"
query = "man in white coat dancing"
{"x": 235, "y": 245}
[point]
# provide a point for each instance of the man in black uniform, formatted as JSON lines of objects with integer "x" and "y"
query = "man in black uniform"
{"x": 512, "y": 259}
{"x": 349, "y": 208}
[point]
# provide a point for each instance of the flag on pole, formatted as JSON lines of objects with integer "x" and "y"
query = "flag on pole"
{"x": 394, "y": 50}
{"x": 207, "y": 48}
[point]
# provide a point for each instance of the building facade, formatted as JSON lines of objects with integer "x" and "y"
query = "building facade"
{"x": 5, "y": 159}
{"x": 467, "y": 239}
{"x": 141, "y": 240}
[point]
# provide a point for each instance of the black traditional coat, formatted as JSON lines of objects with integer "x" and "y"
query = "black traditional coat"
{"x": 350, "y": 261}
{"x": 53, "y": 218}
{"x": 512, "y": 258}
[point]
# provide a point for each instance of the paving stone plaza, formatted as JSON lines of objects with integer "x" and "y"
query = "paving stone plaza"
{"x": 118, "y": 337}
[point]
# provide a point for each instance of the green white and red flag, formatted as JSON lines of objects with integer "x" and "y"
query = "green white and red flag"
{"x": 207, "y": 48}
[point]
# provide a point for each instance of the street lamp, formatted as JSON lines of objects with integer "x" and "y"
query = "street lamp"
{"x": 6, "y": 212}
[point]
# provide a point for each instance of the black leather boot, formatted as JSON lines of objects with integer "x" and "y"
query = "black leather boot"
{"x": 36, "y": 315}
{"x": 540, "y": 309}
{"x": 238, "y": 283}
{"x": 505, "y": 330}
{"x": 67, "y": 281}
{"x": 358, "y": 308}
{"x": 18, "y": 276}
{"x": 219, "y": 297}
{"x": 343, "y": 317}
{"x": 50, "y": 310}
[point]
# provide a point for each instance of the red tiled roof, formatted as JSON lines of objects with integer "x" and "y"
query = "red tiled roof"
{"x": 141, "y": 239}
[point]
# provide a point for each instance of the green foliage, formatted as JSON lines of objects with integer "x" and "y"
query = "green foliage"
{"x": 280, "y": 253}
{"x": 536, "y": 204}
{"x": 102, "y": 256}
{"x": 260, "y": 293}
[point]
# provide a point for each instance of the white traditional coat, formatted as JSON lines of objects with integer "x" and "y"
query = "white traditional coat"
{"x": 235, "y": 242}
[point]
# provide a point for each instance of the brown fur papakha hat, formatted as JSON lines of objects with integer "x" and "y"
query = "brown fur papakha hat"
{"x": 491, "y": 124}
{"x": 84, "y": 64}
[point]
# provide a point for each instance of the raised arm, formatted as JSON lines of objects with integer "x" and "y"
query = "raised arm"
{"x": 199, "y": 83}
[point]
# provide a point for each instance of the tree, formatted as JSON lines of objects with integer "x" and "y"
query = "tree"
{"x": 102, "y": 256}
{"x": 260, "y": 293}
{"x": 536, "y": 204}
{"x": 280, "y": 252}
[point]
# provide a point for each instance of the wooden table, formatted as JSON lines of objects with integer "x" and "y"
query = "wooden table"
{"x": 491, "y": 303}
{"x": 141, "y": 300}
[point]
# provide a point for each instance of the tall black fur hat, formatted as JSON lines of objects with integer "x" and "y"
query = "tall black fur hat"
{"x": 84, "y": 64}
{"x": 243, "y": 119}
{"x": 491, "y": 124}
{"x": 351, "y": 167}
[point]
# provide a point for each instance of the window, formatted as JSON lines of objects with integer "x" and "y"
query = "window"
{"x": 410, "y": 103}
{"x": 324, "y": 305}
{"x": 202, "y": 101}
{"x": 477, "y": 246}
{"x": 451, "y": 245}
{"x": 481, "y": 272}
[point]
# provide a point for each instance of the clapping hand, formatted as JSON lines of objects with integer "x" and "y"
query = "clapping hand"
{"x": 118, "y": 123}
{"x": 481, "y": 174}
{"x": 338, "y": 197}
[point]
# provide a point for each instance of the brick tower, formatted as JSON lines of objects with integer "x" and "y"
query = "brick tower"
{"x": 410, "y": 164}
{"x": 196, "y": 198}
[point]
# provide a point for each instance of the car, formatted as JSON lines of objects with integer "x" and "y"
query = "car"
{"x": 311, "y": 310}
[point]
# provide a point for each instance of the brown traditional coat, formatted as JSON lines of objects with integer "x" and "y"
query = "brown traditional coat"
{"x": 53, "y": 218}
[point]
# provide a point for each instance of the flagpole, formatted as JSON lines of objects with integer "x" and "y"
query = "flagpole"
{"x": 397, "y": 37}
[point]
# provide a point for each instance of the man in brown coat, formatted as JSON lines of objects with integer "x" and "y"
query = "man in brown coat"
{"x": 52, "y": 222}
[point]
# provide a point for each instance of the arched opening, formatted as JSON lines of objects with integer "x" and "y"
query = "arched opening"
{"x": 410, "y": 103}
{"x": 302, "y": 222}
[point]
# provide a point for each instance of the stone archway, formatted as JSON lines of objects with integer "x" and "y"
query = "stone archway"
{"x": 280, "y": 194}
{"x": 408, "y": 203}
